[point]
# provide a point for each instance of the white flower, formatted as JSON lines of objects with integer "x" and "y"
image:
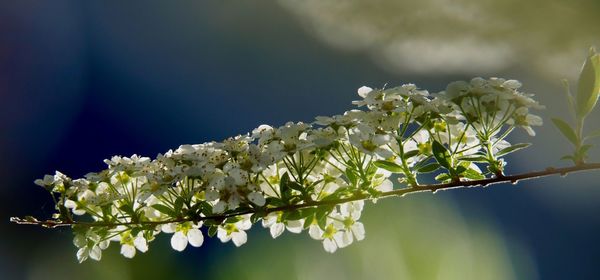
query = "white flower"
{"x": 94, "y": 252}
{"x": 366, "y": 139}
{"x": 350, "y": 213}
{"x": 277, "y": 227}
{"x": 184, "y": 233}
{"x": 130, "y": 244}
{"x": 235, "y": 232}
{"x": 47, "y": 181}
{"x": 90, "y": 245}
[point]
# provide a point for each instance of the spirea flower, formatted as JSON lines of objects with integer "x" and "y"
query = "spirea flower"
{"x": 285, "y": 176}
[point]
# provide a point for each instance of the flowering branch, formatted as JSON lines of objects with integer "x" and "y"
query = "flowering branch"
{"x": 312, "y": 177}
{"x": 514, "y": 179}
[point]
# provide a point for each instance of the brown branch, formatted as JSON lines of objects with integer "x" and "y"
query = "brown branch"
{"x": 399, "y": 192}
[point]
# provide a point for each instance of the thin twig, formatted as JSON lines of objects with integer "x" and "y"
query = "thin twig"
{"x": 399, "y": 192}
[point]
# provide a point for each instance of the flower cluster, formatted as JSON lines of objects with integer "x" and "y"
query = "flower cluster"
{"x": 299, "y": 176}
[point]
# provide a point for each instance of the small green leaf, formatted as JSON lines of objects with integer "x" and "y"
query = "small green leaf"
{"x": 473, "y": 174}
{"x": 284, "y": 187}
{"x": 389, "y": 166}
{"x": 411, "y": 153}
{"x": 443, "y": 177}
{"x": 308, "y": 221}
{"x": 474, "y": 158}
{"x": 178, "y": 205}
{"x": 307, "y": 212}
{"x": 212, "y": 231}
{"x": 584, "y": 149}
{"x": 570, "y": 99}
{"x": 352, "y": 179}
{"x": 429, "y": 168}
{"x": 593, "y": 134}
{"x": 441, "y": 154}
{"x": 588, "y": 87}
{"x": 164, "y": 209}
{"x": 296, "y": 186}
{"x": 255, "y": 217}
{"x": 459, "y": 170}
{"x": 566, "y": 130}
{"x": 292, "y": 215}
{"x": 512, "y": 148}
{"x": 569, "y": 157}
{"x": 135, "y": 231}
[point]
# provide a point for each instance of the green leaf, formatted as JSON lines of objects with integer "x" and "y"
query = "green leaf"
{"x": 473, "y": 174}
{"x": 255, "y": 217}
{"x": 135, "y": 231}
{"x": 178, "y": 205}
{"x": 459, "y": 170}
{"x": 566, "y": 130}
{"x": 429, "y": 168}
{"x": 296, "y": 186}
{"x": 308, "y": 221}
{"x": 570, "y": 99}
{"x": 593, "y": 134}
{"x": 291, "y": 215}
{"x": 307, "y": 212}
{"x": 584, "y": 149}
{"x": 212, "y": 231}
{"x": 164, "y": 209}
{"x": 588, "y": 87}
{"x": 441, "y": 154}
{"x": 284, "y": 187}
{"x": 569, "y": 157}
{"x": 443, "y": 177}
{"x": 351, "y": 176}
{"x": 473, "y": 158}
{"x": 389, "y": 166}
{"x": 411, "y": 153}
{"x": 512, "y": 148}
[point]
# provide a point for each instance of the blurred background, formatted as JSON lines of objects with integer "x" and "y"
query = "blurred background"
{"x": 81, "y": 81}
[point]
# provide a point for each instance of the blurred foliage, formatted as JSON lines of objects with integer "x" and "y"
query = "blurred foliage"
{"x": 417, "y": 238}
{"x": 458, "y": 36}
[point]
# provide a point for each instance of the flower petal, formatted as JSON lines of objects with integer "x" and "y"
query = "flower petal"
{"x": 128, "y": 251}
{"x": 329, "y": 245}
{"x": 277, "y": 229}
{"x": 315, "y": 232}
{"x": 295, "y": 226}
{"x": 179, "y": 241}
{"x": 195, "y": 237}
{"x": 358, "y": 229}
{"x": 141, "y": 244}
{"x": 96, "y": 253}
{"x": 239, "y": 238}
